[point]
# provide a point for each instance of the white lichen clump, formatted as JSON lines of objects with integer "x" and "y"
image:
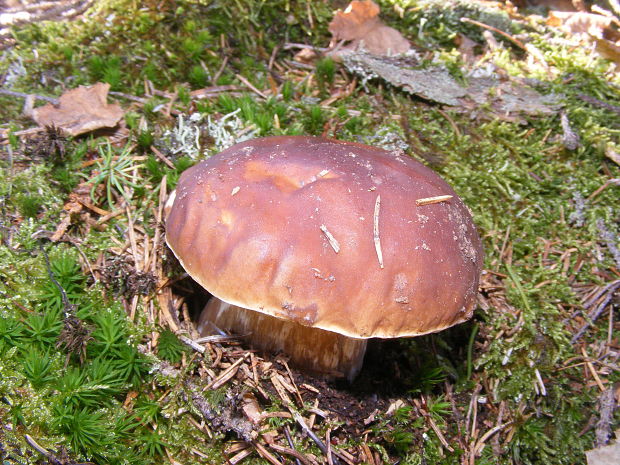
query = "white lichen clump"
{"x": 185, "y": 138}
{"x": 229, "y": 130}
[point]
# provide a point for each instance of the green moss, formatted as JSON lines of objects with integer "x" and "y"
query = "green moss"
{"x": 524, "y": 188}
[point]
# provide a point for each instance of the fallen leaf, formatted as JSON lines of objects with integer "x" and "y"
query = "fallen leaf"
{"x": 359, "y": 18}
{"x": 608, "y": 49}
{"x": 615, "y": 157}
{"x": 251, "y": 409}
{"x": 579, "y": 22}
{"x": 80, "y": 110}
{"x": 359, "y": 23}
{"x": 595, "y": 27}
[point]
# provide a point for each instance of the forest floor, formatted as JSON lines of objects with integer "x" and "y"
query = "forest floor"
{"x": 518, "y": 109}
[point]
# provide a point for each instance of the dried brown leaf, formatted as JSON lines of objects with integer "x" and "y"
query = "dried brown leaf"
{"x": 251, "y": 409}
{"x": 609, "y": 50}
{"x": 580, "y": 22}
{"x": 612, "y": 155}
{"x": 360, "y": 24}
{"x": 355, "y": 21}
{"x": 80, "y": 110}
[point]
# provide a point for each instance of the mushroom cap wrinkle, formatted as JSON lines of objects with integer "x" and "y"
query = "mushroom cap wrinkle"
{"x": 328, "y": 234}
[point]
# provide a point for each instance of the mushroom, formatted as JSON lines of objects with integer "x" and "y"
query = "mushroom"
{"x": 310, "y": 246}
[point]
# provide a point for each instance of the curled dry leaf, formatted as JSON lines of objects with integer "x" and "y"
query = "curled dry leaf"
{"x": 80, "y": 110}
{"x": 579, "y": 22}
{"x": 359, "y": 23}
{"x": 598, "y": 28}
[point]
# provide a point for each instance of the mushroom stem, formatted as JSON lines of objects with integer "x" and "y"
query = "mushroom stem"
{"x": 324, "y": 353}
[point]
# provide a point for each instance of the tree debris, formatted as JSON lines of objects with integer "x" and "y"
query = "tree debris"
{"x": 359, "y": 23}
{"x": 80, "y": 110}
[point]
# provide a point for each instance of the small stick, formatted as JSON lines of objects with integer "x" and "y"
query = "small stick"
{"x": 162, "y": 157}
{"x": 431, "y": 200}
{"x": 251, "y": 86}
{"x": 264, "y": 453}
{"x": 193, "y": 344}
{"x": 451, "y": 121}
{"x": 225, "y": 375}
{"x": 328, "y": 441}
{"x": 41, "y": 450}
{"x": 592, "y": 370}
{"x": 299, "y": 457}
{"x": 517, "y": 42}
{"x": 332, "y": 240}
{"x": 300, "y": 421}
{"x": 290, "y": 442}
{"x": 220, "y": 70}
{"x": 439, "y": 434}
{"x": 481, "y": 442}
{"x": 375, "y": 231}
{"x": 51, "y": 100}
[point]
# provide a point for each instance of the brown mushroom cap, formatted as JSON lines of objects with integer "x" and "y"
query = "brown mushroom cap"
{"x": 286, "y": 226}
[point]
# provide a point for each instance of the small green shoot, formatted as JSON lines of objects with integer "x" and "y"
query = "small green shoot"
{"x": 117, "y": 172}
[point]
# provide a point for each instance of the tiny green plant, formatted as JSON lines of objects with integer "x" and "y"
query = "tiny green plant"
{"x": 38, "y": 368}
{"x": 325, "y": 72}
{"x": 117, "y": 172}
{"x": 85, "y": 429}
{"x": 169, "y": 347}
{"x": 110, "y": 333}
{"x": 153, "y": 443}
{"x": 11, "y": 334}
{"x": 43, "y": 328}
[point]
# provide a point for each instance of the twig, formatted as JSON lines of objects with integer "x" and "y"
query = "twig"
{"x": 481, "y": 442}
{"x": 608, "y": 292}
{"x": 214, "y": 338}
{"x": 193, "y": 344}
{"x": 592, "y": 370}
{"x": 133, "y": 98}
{"x": 226, "y": 374}
{"x": 251, "y": 86}
{"x": 599, "y": 103}
{"x": 287, "y": 433}
{"x": 332, "y": 240}
{"x": 375, "y": 231}
{"x": 328, "y": 441}
{"x": 220, "y": 70}
{"x": 264, "y": 453}
{"x": 299, "y": 457}
{"x": 50, "y": 456}
{"x": 292, "y": 45}
{"x": 607, "y": 405}
{"x": 52, "y": 100}
{"x": 162, "y": 157}
{"x": 301, "y": 422}
{"x": 517, "y": 42}
{"x": 451, "y": 121}
{"x": 609, "y": 182}
{"x": 431, "y": 200}
{"x": 439, "y": 434}
{"x": 37, "y": 447}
